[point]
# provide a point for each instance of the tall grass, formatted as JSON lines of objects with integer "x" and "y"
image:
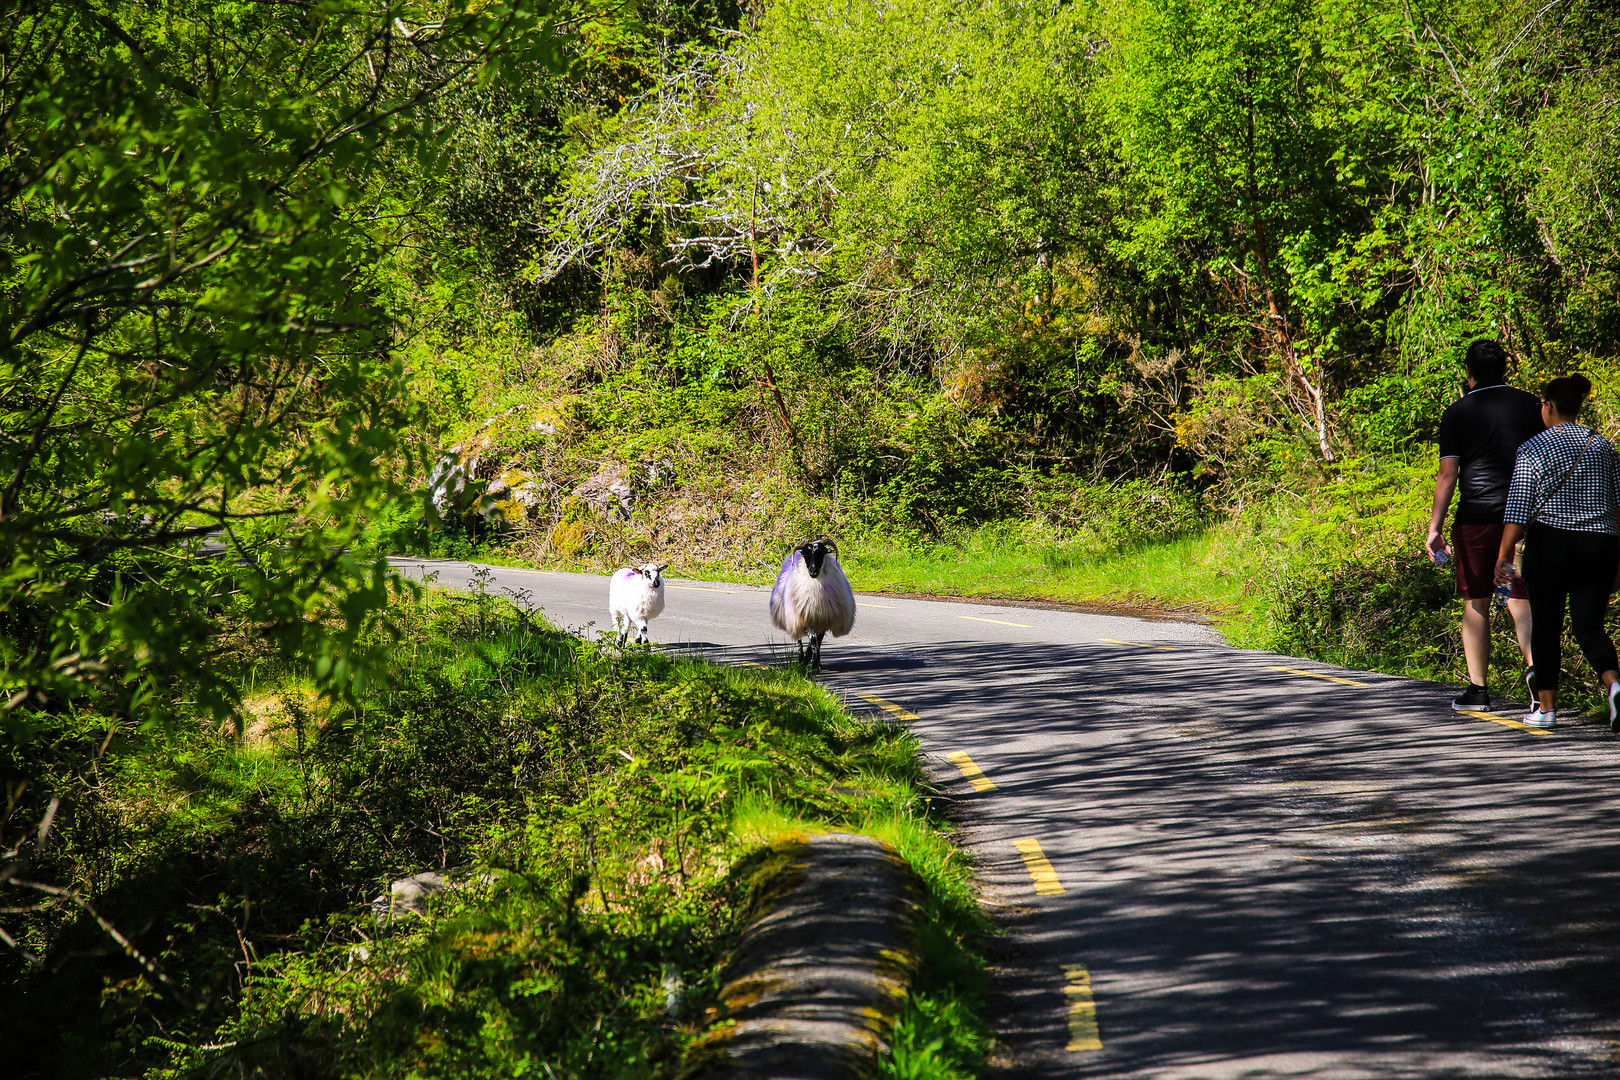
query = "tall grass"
{"x": 1208, "y": 571}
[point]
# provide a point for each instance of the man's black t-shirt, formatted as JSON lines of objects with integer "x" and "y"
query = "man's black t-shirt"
{"x": 1483, "y": 431}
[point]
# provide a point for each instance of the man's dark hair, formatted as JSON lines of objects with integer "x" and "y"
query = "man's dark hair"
{"x": 1486, "y": 361}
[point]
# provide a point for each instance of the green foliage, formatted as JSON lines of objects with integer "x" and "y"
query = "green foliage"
{"x": 1384, "y": 608}
{"x": 199, "y": 387}
{"x": 603, "y": 806}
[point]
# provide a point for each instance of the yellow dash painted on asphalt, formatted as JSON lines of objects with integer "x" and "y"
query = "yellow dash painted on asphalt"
{"x": 1314, "y": 675}
{"x": 998, "y": 622}
{"x": 696, "y": 588}
{"x": 889, "y": 707}
{"x": 1083, "y": 1034}
{"x": 1138, "y": 644}
{"x": 970, "y": 770}
{"x": 863, "y": 603}
{"x": 1505, "y": 722}
{"x": 1040, "y": 870}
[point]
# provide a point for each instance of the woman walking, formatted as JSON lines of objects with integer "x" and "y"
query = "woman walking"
{"x": 1564, "y": 502}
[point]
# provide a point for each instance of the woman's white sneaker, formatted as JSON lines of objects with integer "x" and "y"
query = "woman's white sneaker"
{"x": 1536, "y": 718}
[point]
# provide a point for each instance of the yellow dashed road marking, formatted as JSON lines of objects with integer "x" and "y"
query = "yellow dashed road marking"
{"x": 863, "y": 603}
{"x": 970, "y": 770}
{"x": 1083, "y": 1033}
{"x": 1040, "y": 870}
{"x": 889, "y": 707}
{"x": 998, "y": 622}
{"x": 1314, "y": 675}
{"x": 698, "y": 588}
{"x": 1138, "y": 644}
{"x": 1505, "y": 722}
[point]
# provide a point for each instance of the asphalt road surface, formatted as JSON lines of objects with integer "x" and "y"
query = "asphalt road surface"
{"x": 1214, "y": 862}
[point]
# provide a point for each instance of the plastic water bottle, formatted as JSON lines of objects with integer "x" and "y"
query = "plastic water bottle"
{"x": 1500, "y": 596}
{"x": 1440, "y": 558}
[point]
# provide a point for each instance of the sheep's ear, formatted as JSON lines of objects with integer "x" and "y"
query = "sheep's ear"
{"x": 661, "y": 569}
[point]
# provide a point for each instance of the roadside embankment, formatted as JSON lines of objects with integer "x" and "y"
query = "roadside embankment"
{"x": 577, "y": 837}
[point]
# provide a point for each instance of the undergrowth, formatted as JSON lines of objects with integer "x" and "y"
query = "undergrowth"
{"x": 597, "y": 812}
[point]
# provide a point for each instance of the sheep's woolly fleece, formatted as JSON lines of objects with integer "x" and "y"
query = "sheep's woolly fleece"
{"x": 801, "y": 604}
{"x": 635, "y": 596}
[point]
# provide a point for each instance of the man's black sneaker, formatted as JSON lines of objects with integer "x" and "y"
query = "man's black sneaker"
{"x": 1471, "y": 699}
{"x": 1530, "y": 683}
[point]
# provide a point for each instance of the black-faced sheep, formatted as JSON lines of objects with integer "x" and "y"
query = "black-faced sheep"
{"x": 812, "y": 598}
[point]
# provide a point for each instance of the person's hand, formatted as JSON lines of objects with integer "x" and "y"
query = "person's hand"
{"x": 1504, "y": 572}
{"x": 1435, "y": 543}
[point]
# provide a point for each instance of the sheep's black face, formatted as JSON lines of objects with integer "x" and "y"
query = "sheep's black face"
{"x": 814, "y": 553}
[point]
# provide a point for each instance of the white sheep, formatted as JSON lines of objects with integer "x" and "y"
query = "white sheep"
{"x": 636, "y": 596}
{"x": 812, "y": 597}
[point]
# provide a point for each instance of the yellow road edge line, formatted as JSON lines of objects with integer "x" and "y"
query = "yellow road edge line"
{"x": 970, "y": 770}
{"x": 1505, "y": 722}
{"x": 1314, "y": 675}
{"x": 698, "y": 588}
{"x": 889, "y": 707}
{"x": 1138, "y": 644}
{"x": 998, "y": 622}
{"x": 1039, "y": 867}
{"x": 862, "y": 603}
{"x": 1083, "y": 1033}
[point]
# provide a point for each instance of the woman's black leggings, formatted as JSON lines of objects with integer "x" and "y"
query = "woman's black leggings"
{"x": 1579, "y": 568}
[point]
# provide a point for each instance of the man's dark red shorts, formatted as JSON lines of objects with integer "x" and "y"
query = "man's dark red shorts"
{"x": 1474, "y": 547}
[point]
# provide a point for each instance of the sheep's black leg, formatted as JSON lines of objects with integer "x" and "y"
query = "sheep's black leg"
{"x": 815, "y": 652}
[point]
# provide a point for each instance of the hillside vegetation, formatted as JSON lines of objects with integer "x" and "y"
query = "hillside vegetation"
{"x": 1006, "y": 295}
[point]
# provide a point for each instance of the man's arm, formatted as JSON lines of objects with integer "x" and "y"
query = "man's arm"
{"x": 1445, "y": 485}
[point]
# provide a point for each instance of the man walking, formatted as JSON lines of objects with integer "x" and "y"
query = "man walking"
{"x": 1479, "y": 438}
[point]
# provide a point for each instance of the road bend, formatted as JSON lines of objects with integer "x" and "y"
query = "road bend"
{"x": 1216, "y": 862}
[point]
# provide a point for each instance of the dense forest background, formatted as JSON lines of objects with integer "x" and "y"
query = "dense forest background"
{"x": 907, "y": 268}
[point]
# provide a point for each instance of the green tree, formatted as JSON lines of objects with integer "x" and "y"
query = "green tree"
{"x": 1217, "y": 120}
{"x": 198, "y": 387}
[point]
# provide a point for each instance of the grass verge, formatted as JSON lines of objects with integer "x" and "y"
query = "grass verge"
{"x": 601, "y": 814}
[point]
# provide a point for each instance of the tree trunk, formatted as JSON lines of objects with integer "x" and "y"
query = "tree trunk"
{"x": 765, "y": 362}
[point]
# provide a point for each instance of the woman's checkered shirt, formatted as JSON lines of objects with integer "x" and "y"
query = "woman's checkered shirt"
{"x": 1586, "y": 502}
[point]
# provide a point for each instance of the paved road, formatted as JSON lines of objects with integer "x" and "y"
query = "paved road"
{"x": 1209, "y": 866}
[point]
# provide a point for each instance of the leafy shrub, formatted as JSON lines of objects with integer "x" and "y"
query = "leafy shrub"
{"x": 1386, "y": 607}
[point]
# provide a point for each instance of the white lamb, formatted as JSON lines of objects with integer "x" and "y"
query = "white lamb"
{"x": 635, "y": 597}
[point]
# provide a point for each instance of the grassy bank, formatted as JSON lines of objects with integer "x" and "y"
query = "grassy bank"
{"x": 602, "y": 815}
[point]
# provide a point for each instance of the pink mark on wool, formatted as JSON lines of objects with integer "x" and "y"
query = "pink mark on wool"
{"x": 628, "y": 574}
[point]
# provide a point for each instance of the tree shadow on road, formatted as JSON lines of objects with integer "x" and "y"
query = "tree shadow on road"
{"x": 1268, "y": 874}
